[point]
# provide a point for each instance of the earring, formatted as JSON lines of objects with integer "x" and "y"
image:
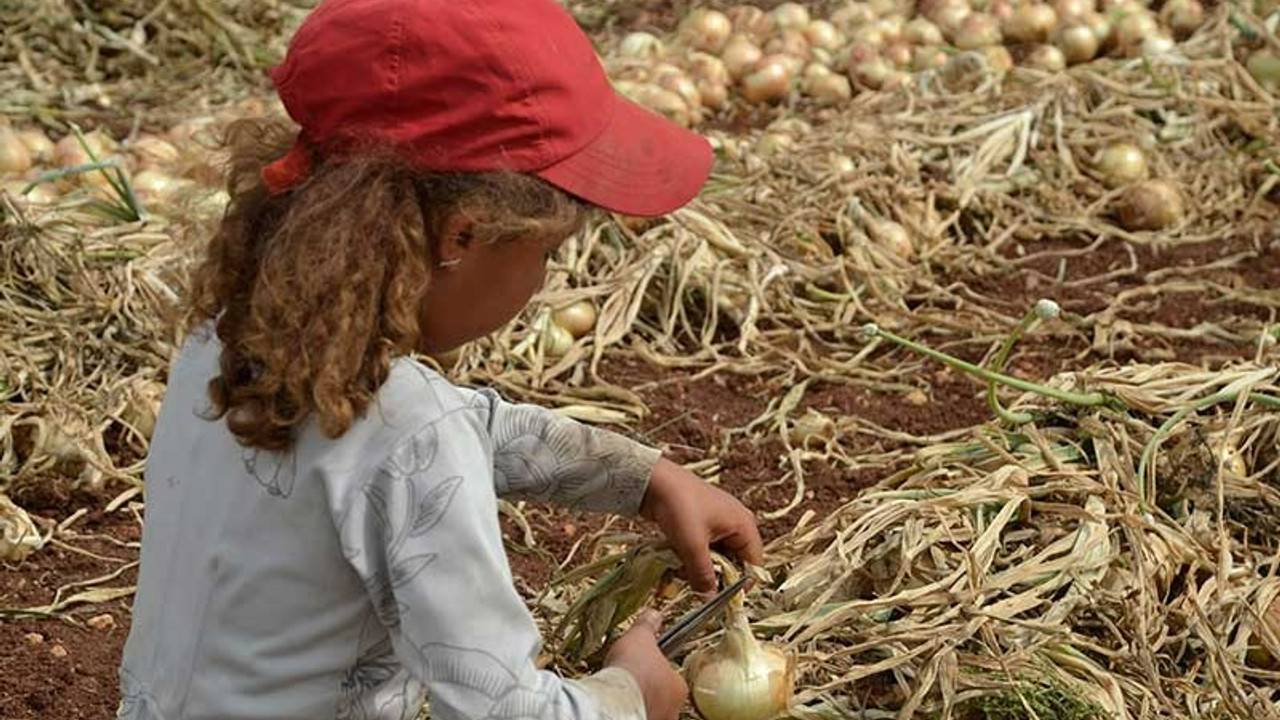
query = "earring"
{"x": 450, "y": 263}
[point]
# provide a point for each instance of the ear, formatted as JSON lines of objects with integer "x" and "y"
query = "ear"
{"x": 455, "y": 239}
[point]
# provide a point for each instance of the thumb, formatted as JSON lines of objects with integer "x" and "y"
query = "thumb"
{"x": 649, "y": 621}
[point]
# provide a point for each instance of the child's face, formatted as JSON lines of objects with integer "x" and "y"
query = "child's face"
{"x": 488, "y": 286}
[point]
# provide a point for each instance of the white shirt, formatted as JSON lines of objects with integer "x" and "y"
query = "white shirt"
{"x": 347, "y": 579}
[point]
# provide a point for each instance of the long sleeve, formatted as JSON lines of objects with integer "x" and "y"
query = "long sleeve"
{"x": 541, "y": 456}
{"x": 422, "y": 533}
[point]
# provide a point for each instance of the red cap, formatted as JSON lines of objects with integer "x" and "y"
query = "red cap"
{"x": 476, "y": 85}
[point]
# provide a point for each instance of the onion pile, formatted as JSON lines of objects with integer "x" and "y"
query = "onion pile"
{"x": 792, "y": 54}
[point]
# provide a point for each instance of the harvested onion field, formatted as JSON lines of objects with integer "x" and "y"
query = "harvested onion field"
{"x": 979, "y": 312}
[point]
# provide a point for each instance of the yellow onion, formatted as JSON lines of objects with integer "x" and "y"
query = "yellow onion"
{"x": 41, "y": 194}
{"x": 1099, "y": 24}
{"x": 1131, "y": 30}
{"x": 752, "y": 22}
{"x": 773, "y": 144}
{"x": 38, "y": 144}
{"x": 1001, "y": 10}
{"x": 662, "y": 101}
{"x": 715, "y": 96}
{"x": 788, "y": 42}
{"x": 1264, "y": 66}
{"x": 828, "y": 89}
{"x": 741, "y": 678}
{"x": 852, "y": 15}
{"x": 1031, "y": 22}
{"x": 707, "y": 30}
{"x": 198, "y": 129}
{"x": 1044, "y": 57}
{"x": 1078, "y": 43}
{"x": 1228, "y": 453}
{"x": 1154, "y": 45}
{"x": 843, "y": 165}
{"x": 1068, "y": 10}
{"x": 977, "y": 30}
{"x": 919, "y": 31}
{"x": 578, "y": 318}
{"x": 898, "y": 53}
{"x": 641, "y": 46}
{"x": 1182, "y": 17}
{"x": 877, "y": 74}
{"x": 1121, "y": 164}
{"x": 152, "y": 152}
{"x": 1150, "y": 205}
{"x": 709, "y": 68}
{"x": 998, "y": 58}
{"x": 870, "y": 34}
{"x": 927, "y": 58}
{"x": 850, "y": 56}
{"x": 891, "y": 27}
{"x": 822, "y": 34}
{"x": 740, "y": 56}
{"x": 15, "y": 158}
{"x": 156, "y": 187}
{"x": 69, "y": 153}
{"x": 885, "y": 8}
{"x": 769, "y": 82}
{"x": 556, "y": 340}
{"x": 791, "y": 16}
{"x": 949, "y": 16}
{"x": 673, "y": 79}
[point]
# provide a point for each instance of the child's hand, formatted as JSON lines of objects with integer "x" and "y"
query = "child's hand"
{"x": 694, "y": 516}
{"x": 637, "y": 652}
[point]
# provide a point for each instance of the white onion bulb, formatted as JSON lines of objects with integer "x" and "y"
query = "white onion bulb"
{"x": 641, "y": 46}
{"x": 1121, "y": 163}
{"x": 740, "y": 56}
{"x": 977, "y": 30}
{"x": 1044, "y": 57}
{"x": 1078, "y": 43}
{"x": 708, "y": 68}
{"x": 769, "y": 82}
{"x": 41, "y": 194}
{"x": 1182, "y": 17}
{"x": 38, "y": 144}
{"x": 998, "y": 58}
{"x": 154, "y": 186}
{"x": 662, "y": 101}
{"x": 152, "y": 152}
{"x": 1156, "y": 45}
{"x": 1031, "y": 22}
{"x": 919, "y": 31}
{"x": 1131, "y": 30}
{"x": 791, "y": 16}
{"x": 829, "y": 89}
{"x": 15, "y": 158}
{"x": 707, "y": 30}
{"x": 556, "y": 341}
{"x": 822, "y": 34}
{"x": 1151, "y": 205}
{"x": 741, "y": 678}
{"x": 578, "y": 318}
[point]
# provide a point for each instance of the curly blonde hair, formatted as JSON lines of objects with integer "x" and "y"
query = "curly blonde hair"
{"x": 314, "y": 292}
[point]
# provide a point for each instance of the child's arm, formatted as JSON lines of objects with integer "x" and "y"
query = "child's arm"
{"x": 539, "y": 455}
{"x": 421, "y": 532}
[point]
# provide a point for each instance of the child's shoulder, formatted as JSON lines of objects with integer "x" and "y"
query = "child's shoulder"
{"x": 416, "y": 395}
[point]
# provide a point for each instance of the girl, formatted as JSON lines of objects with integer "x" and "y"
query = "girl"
{"x": 322, "y": 537}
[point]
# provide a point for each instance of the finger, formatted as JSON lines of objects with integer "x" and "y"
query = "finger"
{"x": 649, "y": 620}
{"x": 695, "y": 554}
{"x": 745, "y": 544}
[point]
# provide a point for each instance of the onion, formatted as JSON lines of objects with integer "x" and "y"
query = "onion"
{"x": 1031, "y": 22}
{"x": 1131, "y": 30}
{"x": 815, "y": 70}
{"x": 1001, "y": 10}
{"x": 854, "y": 54}
{"x": 877, "y": 74}
{"x": 197, "y": 129}
{"x": 828, "y": 89}
{"x": 578, "y": 318}
{"x": 949, "y": 15}
{"x": 891, "y": 27}
{"x": 69, "y": 153}
{"x": 152, "y": 151}
{"x": 556, "y": 341}
{"x": 15, "y": 158}
{"x": 708, "y": 68}
{"x": 788, "y": 42}
{"x": 1121, "y": 164}
{"x": 1155, "y": 45}
{"x": 919, "y": 31}
{"x": 1100, "y": 26}
{"x": 822, "y": 34}
{"x": 143, "y": 405}
{"x": 1264, "y": 66}
{"x": 1182, "y": 17}
{"x": 664, "y": 102}
{"x": 751, "y": 21}
{"x": 978, "y": 30}
{"x": 42, "y": 194}
{"x": 1151, "y": 205}
{"x": 852, "y": 15}
{"x": 898, "y": 53}
{"x": 769, "y": 82}
{"x": 885, "y": 8}
{"x": 740, "y": 678}
{"x": 19, "y": 536}
{"x": 641, "y": 46}
{"x": 998, "y": 58}
{"x": 1044, "y": 57}
{"x": 707, "y": 30}
{"x": 791, "y": 16}
{"x": 1078, "y": 43}
{"x": 740, "y": 56}
{"x": 1228, "y": 453}
{"x": 38, "y": 144}
{"x": 673, "y": 79}
{"x": 843, "y": 165}
{"x": 774, "y": 143}
{"x": 154, "y": 186}
{"x": 927, "y": 58}
{"x": 791, "y": 63}
{"x": 1073, "y": 9}
{"x": 715, "y": 96}
{"x": 870, "y": 34}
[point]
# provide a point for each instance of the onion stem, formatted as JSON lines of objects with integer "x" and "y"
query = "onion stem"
{"x": 1094, "y": 399}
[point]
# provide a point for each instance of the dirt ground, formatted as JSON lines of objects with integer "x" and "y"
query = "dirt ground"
{"x": 64, "y": 669}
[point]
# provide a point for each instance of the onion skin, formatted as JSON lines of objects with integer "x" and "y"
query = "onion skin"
{"x": 1151, "y": 205}
{"x": 1069, "y": 10}
{"x": 641, "y": 46}
{"x": 556, "y": 341}
{"x": 707, "y": 30}
{"x": 920, "y": 31}
{"x": 898, "y": 53}
{"x": 770, "y": 82}
{"x": 741, "y": 678}
{"x": 15, "y": 158}
{"x": 1044, "y": 57}
{"x": 978, "y": 30}
{"x": 1121, "y": 164}
{"x": 824, "y": 35}
{"x": 1031, "y": 22}
{"x": 1078, "y": 43}
{"x": 751, "y": 21}
{"x": 852, "y": 15}
{"x": 578, "y": 318}
{"x": 791, "y": 16}
{"x": 830, "y": 89}
{"x": 38, "y": 144}
{"x": 740, "y": 56}
{"x": 1182, "y": 17}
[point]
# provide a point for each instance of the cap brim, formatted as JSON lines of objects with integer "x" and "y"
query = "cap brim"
{"x": 642, "y": 164}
